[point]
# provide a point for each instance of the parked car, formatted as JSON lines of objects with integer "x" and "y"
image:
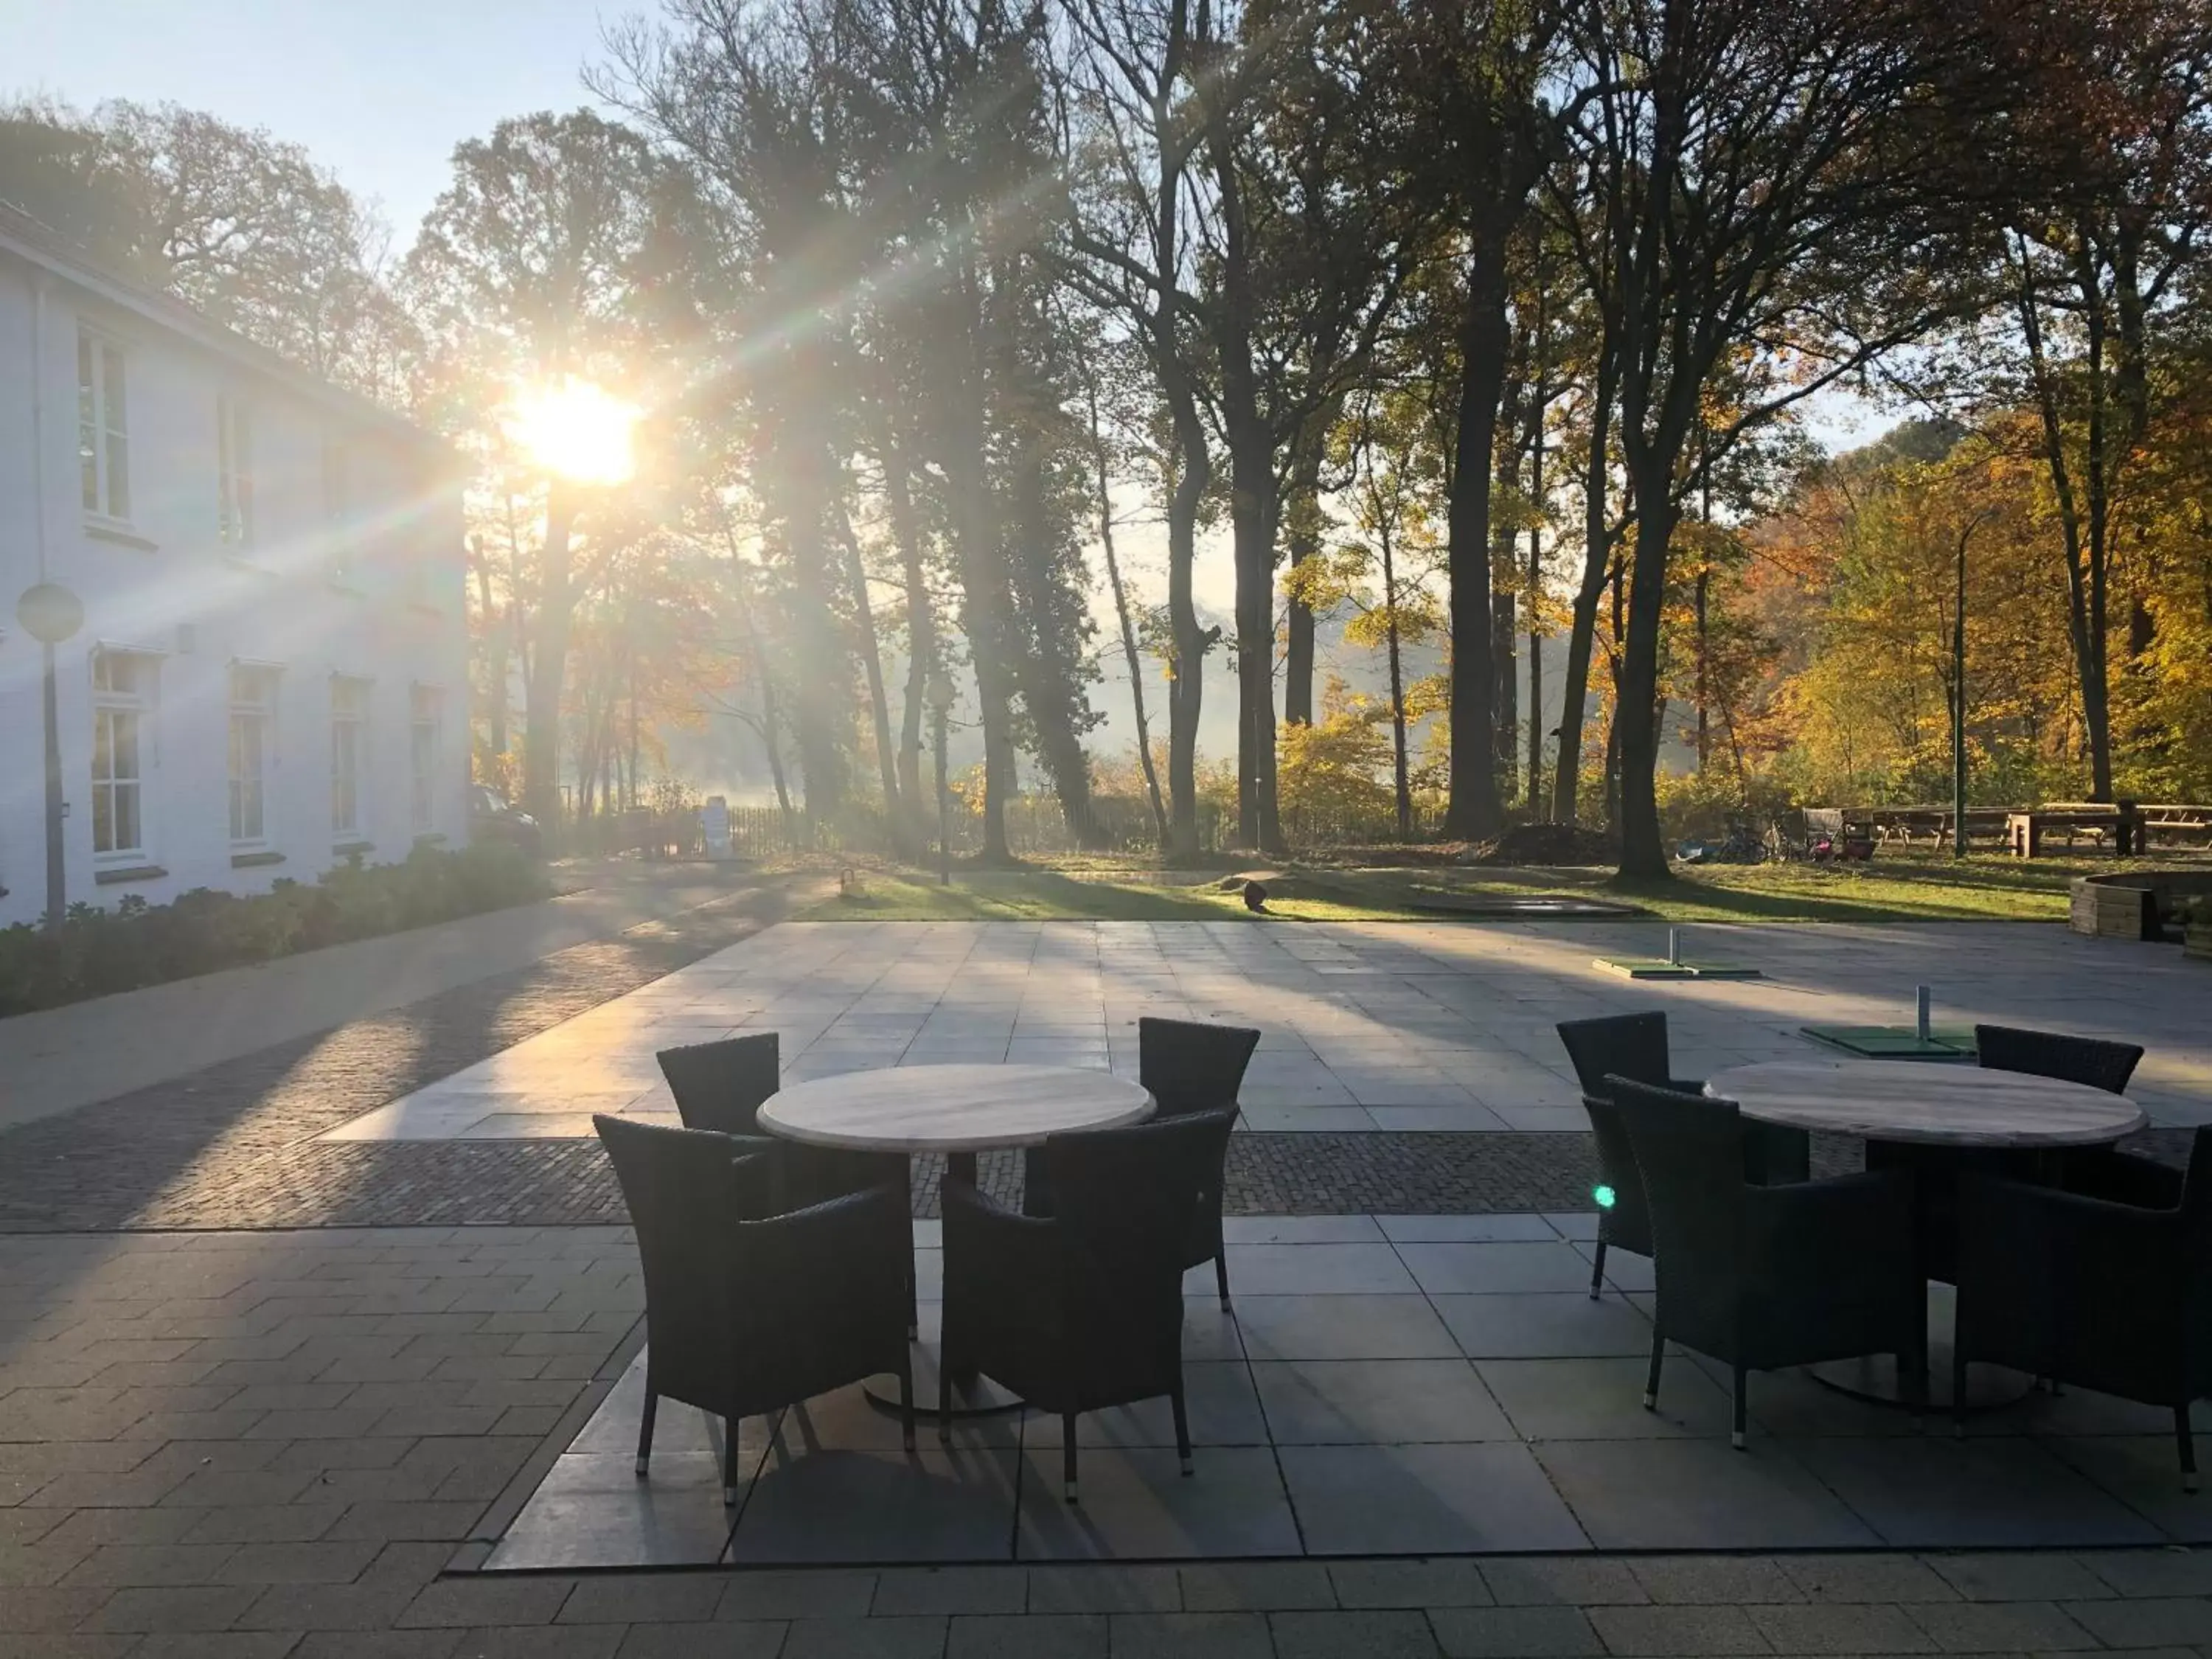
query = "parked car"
{"x": 491, "y": 817}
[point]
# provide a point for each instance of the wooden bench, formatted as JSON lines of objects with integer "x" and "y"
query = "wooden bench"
{"x": 2118, "y": 827}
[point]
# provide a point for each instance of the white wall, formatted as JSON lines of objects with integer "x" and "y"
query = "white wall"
{"x": 171, "y": 586}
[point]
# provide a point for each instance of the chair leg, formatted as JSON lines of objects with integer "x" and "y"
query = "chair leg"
{"x": 1221, "y": 1273}
{"x": 2186, "y": 1444}
{"x": 1958, "y": 1393}
{"x": 1181, "y": 1428}
{"x": 1651, "y": 1381}
{"x": 729, "y": 1462}
{"x": 1597, "y": 1273}
{"x": 1067, "y": 1454}
{"x": 1739, "y": 1400}
{"x": 906, "y": 1399}
{"x": 645, "y": 1427}
{"x": 944, "y": 1396}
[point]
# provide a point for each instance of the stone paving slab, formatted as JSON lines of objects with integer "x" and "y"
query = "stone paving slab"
{"x": 224, "y": 1445}
{"x": 1373, "y": 1027}
{"x": 1375, "y": 1391}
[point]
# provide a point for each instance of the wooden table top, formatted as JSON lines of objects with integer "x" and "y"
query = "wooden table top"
{"x": 952, "y": 1108}
{"x": 1952, "y": 1105}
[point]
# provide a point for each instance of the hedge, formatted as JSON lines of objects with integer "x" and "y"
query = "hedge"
{"x": 96, "y": 952}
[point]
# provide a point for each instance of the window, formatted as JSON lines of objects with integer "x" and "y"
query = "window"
{"x": 103, "y": 440}
{"x": 253, "y": 705}
{"x": 348, "y": 753}
{"x": 338, "y": 503}
{"x": 122, "y": 683}
{"x": 423, "y": 711}
{"x": 234, "y": 452}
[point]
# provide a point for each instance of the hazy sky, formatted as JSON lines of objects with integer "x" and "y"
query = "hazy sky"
{"x": 379, "y": 91}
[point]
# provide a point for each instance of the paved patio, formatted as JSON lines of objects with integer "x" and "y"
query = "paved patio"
{"x": 272, "y": 1445}
{"x": 1391, "y": 1027}
{"x": 1386, "y": 1386}
{"x": 307, "y": 1444}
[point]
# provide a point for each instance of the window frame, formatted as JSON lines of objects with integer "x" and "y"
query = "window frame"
{"x": 348, "y": 779}
{"x": 111, "y": 706}
{"x": 233, "y": 439}
{"x": 253, "y": 708}
{"x": 103, "y": 426}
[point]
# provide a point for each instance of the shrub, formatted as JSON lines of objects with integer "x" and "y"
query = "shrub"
{"x": 97, "y": 952}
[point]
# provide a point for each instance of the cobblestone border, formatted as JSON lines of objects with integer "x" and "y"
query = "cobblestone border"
{"x": 223, "y": 1147}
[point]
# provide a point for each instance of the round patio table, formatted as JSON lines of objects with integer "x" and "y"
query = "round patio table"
{"x": 1928, "y": 1108}
{"x": 959, "y": 1111}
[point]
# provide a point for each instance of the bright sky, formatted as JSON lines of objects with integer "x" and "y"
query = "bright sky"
{"x": 379, "y": 91}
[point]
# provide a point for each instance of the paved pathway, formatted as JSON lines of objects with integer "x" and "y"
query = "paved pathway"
{"x": 232, "y": 1144}
{"x": 62, "y": 1058}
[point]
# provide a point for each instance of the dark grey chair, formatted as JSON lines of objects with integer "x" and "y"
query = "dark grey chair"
{"x": 722, "y": 1086}
{"x": 748, "y": 1310}
{"x": 2109, "y": 1290}
{"x": 1634, "y": 1046}
{"x": 1083, "y": 1310}
{"x": 2091, "y": 1061}
{"x": 1766, "y": 1277}
{"x": 1190, "y": 1067}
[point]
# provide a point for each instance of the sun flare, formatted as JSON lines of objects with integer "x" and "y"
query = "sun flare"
{"x": 576, "y": 430}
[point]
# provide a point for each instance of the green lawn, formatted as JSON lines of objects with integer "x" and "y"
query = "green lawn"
{"x": 1905, "y": 887}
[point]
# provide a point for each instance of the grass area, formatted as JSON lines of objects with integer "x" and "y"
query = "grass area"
{"x": 1900, "y": 887}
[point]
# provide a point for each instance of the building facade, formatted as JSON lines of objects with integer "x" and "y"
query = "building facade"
{"x": 271, "y": 672}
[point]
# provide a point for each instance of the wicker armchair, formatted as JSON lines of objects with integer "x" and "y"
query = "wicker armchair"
{"x": 2088, "y": 1060}
{"x": 1634, "y": 1046}
{"x": 1083, "y": 1309}
{"x": 2111, "y": 1291}
{"x": 747, "y": 1310}
{"x": 1189, "y": 1068}
{"x": 1765, "y": 1277}
{"x": 722, "y": 1086}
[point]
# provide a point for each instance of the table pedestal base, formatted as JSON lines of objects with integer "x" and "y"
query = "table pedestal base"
{"x": 978, "y": 1397}
{"x": 1874, "y": 1379}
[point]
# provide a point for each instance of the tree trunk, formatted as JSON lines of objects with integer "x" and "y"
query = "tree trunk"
{"x": 549, "y": 662}
{"x": 1251, "y": 444}
{"x": 1402, "y": 783}
{"x": 920, "y": 625}
{"x": 2084, "y": 585}
{"x": 1103, "y": 464}
{"x": 1474, "y": 812}
{"x": 1303, "y": 526}
{"x": 982, "y": 575}
{"x": 1704, "y": 581}
{"x": 864, "y": 616}
{"x": 1642, "y": 852}
{"x": 1581, "y": 632}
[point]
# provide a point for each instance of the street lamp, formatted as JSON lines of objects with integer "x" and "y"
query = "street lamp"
{"x": 940, "y": 705}
{"x": 50, "y": 614}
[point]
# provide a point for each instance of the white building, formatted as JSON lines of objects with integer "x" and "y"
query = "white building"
{"x": 272, "y": 674}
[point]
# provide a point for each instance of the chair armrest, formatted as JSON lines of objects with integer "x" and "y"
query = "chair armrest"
{"x": 1844, "y": 1219}
{"x": 990, "y": 1251}
{"x": 1686, "y": 1086}
{"x": 2010, "y": 1228}
{"x": 840, "y": 1264}
{"x": 2123, "y": 1178}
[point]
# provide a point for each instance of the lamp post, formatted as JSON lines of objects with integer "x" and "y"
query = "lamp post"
{"x": 50, "y": 614}
{"x": 940, "y": 706}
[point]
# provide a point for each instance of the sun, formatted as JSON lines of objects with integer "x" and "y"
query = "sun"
{"x": 575, "y": 430}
